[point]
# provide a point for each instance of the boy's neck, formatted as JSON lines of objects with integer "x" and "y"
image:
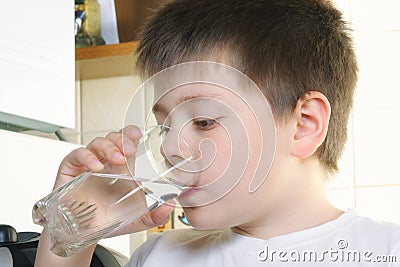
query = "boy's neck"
{"x": 290, "y": 221}
{"x": 304, "y": 206}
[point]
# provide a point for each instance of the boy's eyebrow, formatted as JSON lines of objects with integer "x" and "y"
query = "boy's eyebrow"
{"x": 158, "y": 107}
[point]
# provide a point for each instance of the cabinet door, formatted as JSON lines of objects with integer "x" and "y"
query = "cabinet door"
{"x": 29, "y": 167}
{"x": 37, "y": 60}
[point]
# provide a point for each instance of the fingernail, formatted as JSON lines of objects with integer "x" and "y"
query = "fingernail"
{"x": 117, "y": 155}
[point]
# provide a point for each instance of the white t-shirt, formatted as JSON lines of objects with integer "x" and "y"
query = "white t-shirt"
{"x": 350, "y": 240}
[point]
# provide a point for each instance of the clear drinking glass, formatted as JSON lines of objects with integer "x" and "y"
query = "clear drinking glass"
{"x": 93, "y": 206}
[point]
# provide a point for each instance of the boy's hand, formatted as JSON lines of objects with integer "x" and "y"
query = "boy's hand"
{"x": 110, "y": 151}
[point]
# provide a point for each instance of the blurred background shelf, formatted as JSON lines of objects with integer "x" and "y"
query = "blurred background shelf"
{"x": 116, "y": 59}
{"x": 104, "y": 61}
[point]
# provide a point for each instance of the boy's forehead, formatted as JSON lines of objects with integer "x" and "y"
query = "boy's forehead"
{"x": 188, "y": 92}
{"x": 193, "y": 90}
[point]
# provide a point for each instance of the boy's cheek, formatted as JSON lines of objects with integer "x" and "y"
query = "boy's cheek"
{"x": 233, "y": 165}
{"x": 215, "y": 157}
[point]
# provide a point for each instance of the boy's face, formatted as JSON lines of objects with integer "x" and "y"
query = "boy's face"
{"x": 223, "y": 133}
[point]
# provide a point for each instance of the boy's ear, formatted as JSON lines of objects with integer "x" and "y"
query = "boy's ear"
{"x": 312, "y": 115}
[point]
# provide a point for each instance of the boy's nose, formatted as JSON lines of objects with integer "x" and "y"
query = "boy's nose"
{"x": 177, "y": 152}
{"x": 175, "y": 148}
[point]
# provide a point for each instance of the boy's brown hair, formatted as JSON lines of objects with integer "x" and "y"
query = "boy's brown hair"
{"x": 286, "y": 47}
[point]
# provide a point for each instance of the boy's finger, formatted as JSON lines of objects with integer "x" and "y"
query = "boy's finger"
{"x": 124, "y": 144}
{"x": 82, "y": 157}
{"x": 130, "y": 137}
{"x": 106, "y": 150}
{"x": 116, "y": 138}
{"x": 132, "y": 132}
{"x": 161, "y": 215}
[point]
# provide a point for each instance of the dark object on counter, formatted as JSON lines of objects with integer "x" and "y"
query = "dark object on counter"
{"x": 87, "y": 23}
{"x": 19, "y": 250}
{"x": 8, "y": 234}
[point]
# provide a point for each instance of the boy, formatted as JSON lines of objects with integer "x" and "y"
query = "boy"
{"x": 300, "y": 56}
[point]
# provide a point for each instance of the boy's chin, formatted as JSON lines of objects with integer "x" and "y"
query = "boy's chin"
{"x": 203, "y": 219}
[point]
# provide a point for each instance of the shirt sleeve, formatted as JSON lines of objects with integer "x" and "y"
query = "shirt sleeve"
{"x": 140, "y": 255}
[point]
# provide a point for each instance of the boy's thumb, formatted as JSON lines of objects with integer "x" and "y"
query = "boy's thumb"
{"x": 161, "y": 215}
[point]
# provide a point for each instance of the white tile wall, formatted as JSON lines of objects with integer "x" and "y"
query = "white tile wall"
{"x": 377, "y": 146}
{"x": 342, "y": 198}
{"x": 379, "y": 202}
{"x": 344, "y": 6}
{"x": 375, "y": 16}
{"x": 89, "y": 136}
{"x": 105, "y": 101}
{"x": 379, "y": 79}
{"x": 373, "y": 155}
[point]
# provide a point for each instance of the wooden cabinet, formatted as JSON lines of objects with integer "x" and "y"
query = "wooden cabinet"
{"x": 104, "y": 61}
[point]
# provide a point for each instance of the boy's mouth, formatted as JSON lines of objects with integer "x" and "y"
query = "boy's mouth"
{"x": 186, "y": 198}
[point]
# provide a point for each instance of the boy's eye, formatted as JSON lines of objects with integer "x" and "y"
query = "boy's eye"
{"x": 205, "y": 124}
{"x": 163, "y": 130}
